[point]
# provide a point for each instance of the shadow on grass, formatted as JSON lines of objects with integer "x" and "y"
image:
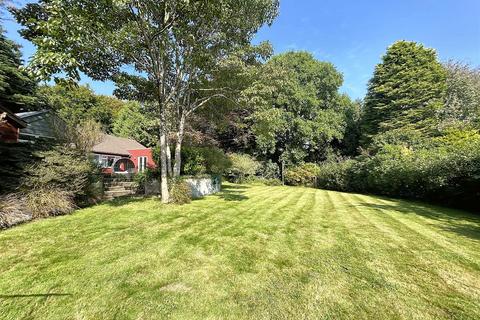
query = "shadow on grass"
{"x": 121, "y": 201}
{"x": 232, "y": 193}
{"x": 229, "y": 193}
{"x": 34, "y": 295}
{"x": 462, "y": 223}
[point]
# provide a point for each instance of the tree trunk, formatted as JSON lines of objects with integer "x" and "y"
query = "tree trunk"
{"x": 163, "y": 169}
{"x": 178, "y": 147}
{"x": 169, "y": 159}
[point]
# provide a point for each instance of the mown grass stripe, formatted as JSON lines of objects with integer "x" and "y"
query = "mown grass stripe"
{"x": 251, "y": 252}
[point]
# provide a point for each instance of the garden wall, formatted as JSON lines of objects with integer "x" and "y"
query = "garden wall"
{"x": 200, "y": 187}
{"x": 204, "y": 186}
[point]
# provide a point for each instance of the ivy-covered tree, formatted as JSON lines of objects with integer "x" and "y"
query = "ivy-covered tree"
{"x": 406, "y": 91}
{"x": 16, "y": 87}
{"x": 298, "y": 111}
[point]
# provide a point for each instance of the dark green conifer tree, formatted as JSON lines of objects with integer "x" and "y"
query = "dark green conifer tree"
{"x": 406, "y": 91}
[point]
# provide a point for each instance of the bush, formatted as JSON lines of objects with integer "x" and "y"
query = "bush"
{"x": 180, "y": 192}
{"x": 49, "y": 202}
{"x": 446, "y": 170}
{"x": 335, "y": 176}
{"x": 204, "y": 160}
{"x": 269, "y": 170}
{"x": 262, "y": 180}
{"x": 62, "y": 168}
{"x": 141, "y": 178}
{"x": 243, "y": 166}
{"x": 302, "y": 175}
{"x": 15, "y": 159}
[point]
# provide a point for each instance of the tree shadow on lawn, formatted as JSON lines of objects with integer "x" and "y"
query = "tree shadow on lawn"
{"x": 232, "y": 193}
{"x": 121, "y": 201}
{"x": 228, "y": 193}
{"x": 460, "y": 222}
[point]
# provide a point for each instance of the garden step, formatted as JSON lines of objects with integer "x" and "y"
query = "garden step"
{"x": 123, "y": 183}
{"x": 119, "y": 193}
{"x": 118, "y": 188}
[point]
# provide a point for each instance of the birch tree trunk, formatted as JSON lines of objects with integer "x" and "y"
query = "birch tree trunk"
{"x": 163, "y": 165}
{"x": 178, "y": 147}
{"x": 169, "y": 159}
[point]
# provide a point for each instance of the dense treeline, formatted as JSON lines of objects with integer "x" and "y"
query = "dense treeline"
{"x": 419, "y": 133}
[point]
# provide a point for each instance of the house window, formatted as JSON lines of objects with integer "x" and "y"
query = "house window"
{"x": 142, "y": 164}
{"x": 105, "y": 161}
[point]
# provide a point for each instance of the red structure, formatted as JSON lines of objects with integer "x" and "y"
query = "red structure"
{"x": 122, "y": 156}
{"x": 10, "y": 126}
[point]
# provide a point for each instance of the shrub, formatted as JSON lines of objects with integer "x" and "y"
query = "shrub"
{"x": 269, "y": 170}
{"x": 445, "y": 170}
{"x": 302, "y": 175}
{"x": 142, "y": 178}
{"x": 65, "y": 169}
{"x": 15, "y": 158}
{"x": 204, "y": 160}
{"x": 262, "y": 180}
{"x": 243, "y": 166}
{"x": 49, "y": 202}
{"x": 180, "y": 192}
{"x": 335, "y": 176}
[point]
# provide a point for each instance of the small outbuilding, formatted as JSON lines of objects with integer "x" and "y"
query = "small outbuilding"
{"x": 43, "y": 124}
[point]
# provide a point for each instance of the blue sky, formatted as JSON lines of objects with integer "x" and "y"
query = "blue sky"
{"x": 354, "y": 35}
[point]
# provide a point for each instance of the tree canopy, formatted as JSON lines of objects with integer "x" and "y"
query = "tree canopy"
{"x": 76, "y": 104}
{"x": 462, "y": 100}
{"x": 157, "y": 51}
{"x": 298, "y": 111}
{"x": 136, "y": 122}
{"x": 407, "y": 90}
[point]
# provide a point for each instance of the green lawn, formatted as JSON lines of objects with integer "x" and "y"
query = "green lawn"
{"x": 247, "y": 253}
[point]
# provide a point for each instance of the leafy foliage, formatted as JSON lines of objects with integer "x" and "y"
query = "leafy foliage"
{"x": 47, "y": 202}
{"x": 268, "y": 170}
{"x": 406, "y": 91}
{"x": 445, "y": 170}
{"x": 77, "y": 104}
{"x": 15, "y": 159}
{"x": 62, "y": 168}
{"x": 180, "y": 192}
{"x": 302, "y": 175}
{"x": 136, "y": 121}
{"x": 462, "y": 101}
{"x": 204, "y": 160}
{"x": 298, "y": 112}
{"x": 243, "y": 166}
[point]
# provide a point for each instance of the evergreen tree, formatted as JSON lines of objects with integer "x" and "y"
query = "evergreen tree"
{"x": 406, "y": 91}
{"x": 16, "y": 88}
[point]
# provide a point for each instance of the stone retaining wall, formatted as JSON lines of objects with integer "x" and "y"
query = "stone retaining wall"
{"x": 204, "y": 186}
{"x": 200, "y": 186}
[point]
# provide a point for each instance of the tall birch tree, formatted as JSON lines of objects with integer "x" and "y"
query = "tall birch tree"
{"x": 155, "y": 50}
